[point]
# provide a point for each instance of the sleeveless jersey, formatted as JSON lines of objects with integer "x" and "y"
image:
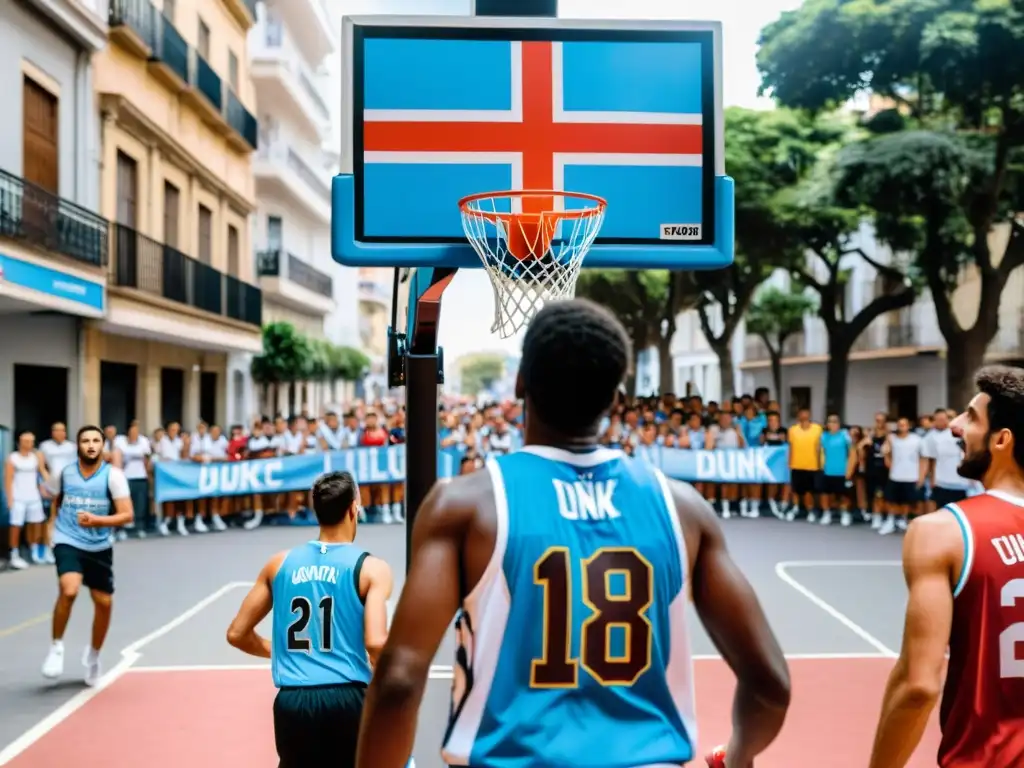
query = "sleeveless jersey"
{"x": 875, "y": 459}
{"x": 774, "y": 436}
{"x": 84, "y": 494}
{"x": 697, "y": 438}
{"x": 982, "y": 711}
{"x": 578, "y": 625}
{"x": 318, "y": 617}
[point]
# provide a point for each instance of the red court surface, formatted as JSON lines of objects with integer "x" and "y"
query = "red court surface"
{"x": 209, "y": 719}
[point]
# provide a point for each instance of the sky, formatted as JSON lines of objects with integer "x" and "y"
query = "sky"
{"x": 468, "y": 303}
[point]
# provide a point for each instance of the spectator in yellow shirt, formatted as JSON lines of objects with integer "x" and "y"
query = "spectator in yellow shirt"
{"x": 804, "y": 464}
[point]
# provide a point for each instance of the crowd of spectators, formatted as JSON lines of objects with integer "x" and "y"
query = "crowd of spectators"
{"x": 879, "y": 474}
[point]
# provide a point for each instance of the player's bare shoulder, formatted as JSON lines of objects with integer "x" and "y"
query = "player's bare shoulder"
{"x": 461, "y": 501}
{"x": 934, "y": 541}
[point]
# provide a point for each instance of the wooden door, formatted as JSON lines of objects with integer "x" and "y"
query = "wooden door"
{"x": 40, "y": 162}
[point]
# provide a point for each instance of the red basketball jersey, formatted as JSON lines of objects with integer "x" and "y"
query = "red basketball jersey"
{"x": 982, "y": 712}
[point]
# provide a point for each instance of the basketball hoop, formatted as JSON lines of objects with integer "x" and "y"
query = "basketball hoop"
{"x": 532, "y": 244}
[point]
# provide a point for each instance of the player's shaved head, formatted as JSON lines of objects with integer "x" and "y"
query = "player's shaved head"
{"x": 575, "y": 356}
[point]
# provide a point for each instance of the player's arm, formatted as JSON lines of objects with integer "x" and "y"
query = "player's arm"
{"x": 429, "y": 601}
{"x": 375, "y": 584}
{"x": 736, "y": 624}
{"x": 9, "y": 481}
{"x": 43, "y": 471}
{"x": 932, "y": 550}
{"x": 254, "y": 609}
{"x": 124, "y": 513}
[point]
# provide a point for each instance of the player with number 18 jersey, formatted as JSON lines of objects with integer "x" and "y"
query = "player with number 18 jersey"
{"x": 578, "y": 627}
{"x": 982, "y": 711}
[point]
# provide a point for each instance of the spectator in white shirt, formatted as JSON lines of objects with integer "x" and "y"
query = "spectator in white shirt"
{"x": 110, "y": 454}
{"x": 216, "y": 450}
{"x": 260, "y": 446}
{"x": 298, "y": 441}
{"x": 58, "y": 452}
{"x": 331, "y": 434}
{"x": 203, "y": 449}
{"x": 135, "y": 450}
{"x": 944, "y": 454}
{"x": 171, "y": 447}
{"x": 500, "y": 438}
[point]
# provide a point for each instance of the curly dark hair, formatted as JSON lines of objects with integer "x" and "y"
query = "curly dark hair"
{"x": 575, "y": 356}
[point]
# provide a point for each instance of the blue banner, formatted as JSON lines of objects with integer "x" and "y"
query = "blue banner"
{"x": 187, "y": 480}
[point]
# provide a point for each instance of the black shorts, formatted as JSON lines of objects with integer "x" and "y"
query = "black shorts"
{"x": 875, "y": 483}
{"x": 834, "y": 485}
{"x": 944, "y": 496}
{"x": 803, "y": 481}
{"x": 318, "y": 726}
{"x": 97, "y": 568}
{"x": 903, "y": 494}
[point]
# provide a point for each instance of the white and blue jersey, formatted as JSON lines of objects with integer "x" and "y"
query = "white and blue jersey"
{"x": 578, "y": 625}
{"x": 94, "y": 494}
{"x": 318, "y": 617}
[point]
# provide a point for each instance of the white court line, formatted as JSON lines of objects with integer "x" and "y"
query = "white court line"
{"x": 846, "y": 621}
{"x": 129, "y": 656}
{"x": 436, "y": 669}
{"x": 842, "y": 563}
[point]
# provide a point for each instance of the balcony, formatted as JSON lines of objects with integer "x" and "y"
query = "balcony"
{"x": 133, "y": 25}
{"x": 755, "y": 350}
{"x": 314, "y": 29}
{"x": 900, "y": 335}
{"x": 206, "y": 94}
{"x": 285, "y": 84}
{"x": 280, "y": 171}
{"x": 373, "y": 292}
{"x": 36, "y": 218}
{"x": 244, "y": 11}
{"x": 148, "y": 266}
{"x": 169, "y": 60}
{"x": 293, "y": 282}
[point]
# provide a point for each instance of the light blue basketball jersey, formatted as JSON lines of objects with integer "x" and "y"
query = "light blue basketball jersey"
{"x": 83, "y": 494}
{"x": 318, "y": 617}
{"x": 573, "y": 650}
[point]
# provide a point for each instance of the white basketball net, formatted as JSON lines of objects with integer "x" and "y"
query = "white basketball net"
{"x": 550, "y": 266}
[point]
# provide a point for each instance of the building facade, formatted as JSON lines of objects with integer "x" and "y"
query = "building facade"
{"x": 898, "y": 365}
{"x": 178, "y": 130}
{"x": 53, "y": 245}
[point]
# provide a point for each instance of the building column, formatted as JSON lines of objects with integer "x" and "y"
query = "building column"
{"x": 149, "y": 391}
{"x": 191, "y": 405}
{"x": 282, "y": 401}
{"x": 92, "y": 351}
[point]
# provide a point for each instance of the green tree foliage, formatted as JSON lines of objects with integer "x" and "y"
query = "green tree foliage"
{"x": 944, "y": 182}
{"x": 479, "y": 372}
{"x": 647, "y": 303}
{"x": 774, "y": 316}
{"x": 768, "y": 153}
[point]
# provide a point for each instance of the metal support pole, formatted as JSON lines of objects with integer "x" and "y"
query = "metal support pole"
{"x": 423, "y": 373}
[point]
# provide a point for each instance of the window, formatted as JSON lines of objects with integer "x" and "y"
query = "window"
{"x": 274, "y": 233}
{"x": 903, "y": 402}
{"x": 39, "y": 131}
{"x": 232, "y": 251}
{"x": 233, "y": 71}
{"x": 205, "y": 235}
{"x": 127, "y": 190}
{"x": 799, "y": 397}
{"x": 203, "y": 46}
{"x": 170, "y": 9}
{"x": 172, "y": 211}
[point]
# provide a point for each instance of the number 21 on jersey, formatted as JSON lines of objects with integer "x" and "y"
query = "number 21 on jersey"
{"x": 1009, "y": 664}
{"x": 623, "y": 610}
{"x": 303, "y": 610}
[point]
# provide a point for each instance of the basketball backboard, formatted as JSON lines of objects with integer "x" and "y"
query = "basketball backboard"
{"x": 436, "y": 108}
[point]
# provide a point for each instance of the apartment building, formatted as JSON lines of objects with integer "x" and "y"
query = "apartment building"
{"x": 290, "y": 49}
{"x": 898, "y": 365}
{"x": 178, "y": 131}
{"x": 696, "y": 368}
{"x": 376, "y": 285}
{"x": 53, "y": 245}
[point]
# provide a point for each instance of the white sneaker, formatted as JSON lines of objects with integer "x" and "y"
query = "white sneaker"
{"x": 385, "y": 516}
{"x": 53, "y": 667}
{"x": 162, "y": 528}
{"x": 826, "y": 518}
{"x": 179, "y": 526}
{"x": 121, "y": 535}
{"x": 887, "y": 527}
{"x": 846, "y": 519}
{"x": 791, "y": 516}
{"x": 876, "y": 521}
{"x": 48, "y": 557}
{"x": 254, "y": 522}
{"x": 34, "y": 556}
{"x": 17, "y": 562}
{"x": 93, "y": 668}
{"x": 902, "y": 523}
{"x": 726, "y": 513}
{"x": 396, "y": 513}
{"x": 812, "y": 517}
{"x": 218, "y": 523}
{"x": 199, "y": 526}
{"x": 754, "y": 512}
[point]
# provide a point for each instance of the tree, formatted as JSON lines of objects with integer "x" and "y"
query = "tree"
{"x": 480, "y": 371}
{"x": 647, "y": 303}
{"x": 945, "y": 186}
{"x": 774, "y": 316}
{"x": 285, "y": 357}
{"x": 768, "y": 153}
